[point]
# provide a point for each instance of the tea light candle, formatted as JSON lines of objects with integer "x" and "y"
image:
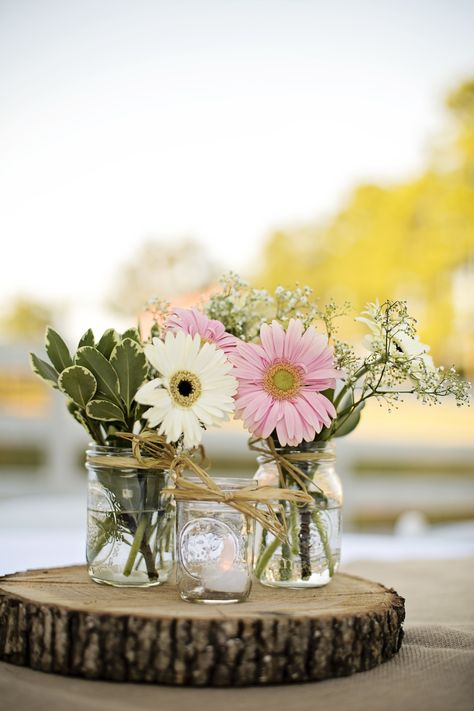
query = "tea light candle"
{"x": 225, "y": 576}
{"x": 226, "y": 581}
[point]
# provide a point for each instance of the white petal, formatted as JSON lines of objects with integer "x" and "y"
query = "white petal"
{"x": 156, "y": 354}
{"x": 153, "y": 416}
{"x": 190, "y": 352}
{"x": 191, "y": 429}
{"x": 146, "y": 394}
{"x": 204, "y": 414}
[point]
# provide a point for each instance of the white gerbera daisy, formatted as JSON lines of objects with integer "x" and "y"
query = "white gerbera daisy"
{"x": 194, "y": 389}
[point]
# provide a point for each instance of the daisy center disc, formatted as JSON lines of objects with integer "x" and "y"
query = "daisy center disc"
{"x": 185, "y": 388}
{"x": 282, "y": 380}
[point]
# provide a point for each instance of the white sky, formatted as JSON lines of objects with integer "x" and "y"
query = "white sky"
{"x": 214, "y": 119}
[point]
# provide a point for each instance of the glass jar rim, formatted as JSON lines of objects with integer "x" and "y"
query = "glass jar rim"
{"x": 226, "y": 483}
{"x": 103, "y": 456}
{"x": 93, "y": 449}
{"x": 314, "y": 447}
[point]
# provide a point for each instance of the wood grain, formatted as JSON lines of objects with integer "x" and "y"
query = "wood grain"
{"x": 59, "y": 621}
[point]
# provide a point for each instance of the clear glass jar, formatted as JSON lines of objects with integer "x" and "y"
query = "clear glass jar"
{"x": 310, "y": 555}
{"x": 214, "y": 549}
{"x": 130, "y": 524}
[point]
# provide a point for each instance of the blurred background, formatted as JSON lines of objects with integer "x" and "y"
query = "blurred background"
{"x": 147, "y": 146}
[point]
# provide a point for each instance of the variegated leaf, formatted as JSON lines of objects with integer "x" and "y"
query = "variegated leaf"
{"x": 78, "y": 383}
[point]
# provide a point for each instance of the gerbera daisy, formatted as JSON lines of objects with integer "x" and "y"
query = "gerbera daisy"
{"x": 194, "y": 389}
{"x": 195, "y": 322}
{"x": 280, "y": 383}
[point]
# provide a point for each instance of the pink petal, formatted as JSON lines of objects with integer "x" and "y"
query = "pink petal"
{"x": 270, "y": 422}
{"x": 267, "y": 340}
{"x": 282, "y": 432}
{"x": 279, "y": 338}
{"x": 292, "y": 339}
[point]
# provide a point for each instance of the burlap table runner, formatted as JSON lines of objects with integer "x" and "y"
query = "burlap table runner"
{"x": 434, "y": 670}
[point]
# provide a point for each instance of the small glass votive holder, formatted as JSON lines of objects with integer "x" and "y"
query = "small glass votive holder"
{"x": 214, "y": 549}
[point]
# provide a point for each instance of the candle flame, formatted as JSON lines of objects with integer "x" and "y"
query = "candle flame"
{"x": 228, "y": 554}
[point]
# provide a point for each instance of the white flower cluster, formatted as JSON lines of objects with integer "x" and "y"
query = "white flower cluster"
{"x": 243, "y": 309}
{"x": 399, "y": 363}
{"x": 240, "y": 308}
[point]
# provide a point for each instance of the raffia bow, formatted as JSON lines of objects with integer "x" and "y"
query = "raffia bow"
{"x": 288, "y": 462}
{"x": 152, "y": 451}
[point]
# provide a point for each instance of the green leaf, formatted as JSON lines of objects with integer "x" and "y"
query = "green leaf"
{"x": 350, "y": 422}
{"x": 57, "y": 350}
{"x": 132, "y": 333}
{"x": 79, "y": 383}
{"x": 105, "y": 375}
{"x": 347, "y": 401}
{"x": 87, "y": 339}
{"x": 44, "y": 370}
{"x": 108, "y": 341}
{"x": 79, "y": 416}
{"x": 130, "y": 364}
{"x": 104, "y": 410}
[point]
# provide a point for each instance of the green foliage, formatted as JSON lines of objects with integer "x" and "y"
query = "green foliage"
{"x": 100, "y": 381}
{"x": 44, "y": 370}
{"x": 133, "y": 334}
{"x": 105, "y": 410}
{"x": 129, "y": 362}
{"x": 92, "y": 428}
{"x": 78, "y": 383}
{"x": 57, "y": 350}
{"x": 349, "y": 414}
{"x": 105, "y": 375}
{"x": 87, "y": 339}
{"x": 108, "y": 341}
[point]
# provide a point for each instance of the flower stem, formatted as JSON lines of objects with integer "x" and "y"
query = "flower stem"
{"x": 305, "y": 543}
{"x": 358, "y": 374}
{"x": 323, "y": 534}
{"x": 136, "y": 545}
{"x": 294, "y": 528}
{"x": 266, "y": 556}
{"x": 285, "y": 561}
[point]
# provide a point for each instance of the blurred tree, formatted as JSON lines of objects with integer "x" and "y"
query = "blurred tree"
{"x": 164, "y": 270}
{"x": 25, "y": 319}
{"x": 461, "y": 104}
{"x": 407, "y": 240}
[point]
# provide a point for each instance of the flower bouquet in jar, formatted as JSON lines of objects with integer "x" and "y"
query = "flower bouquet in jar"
{"x": 299, "y": 388}
{"x": 130, "y": 532}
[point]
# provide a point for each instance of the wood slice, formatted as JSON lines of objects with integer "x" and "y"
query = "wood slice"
{"x": 60, "y": 621}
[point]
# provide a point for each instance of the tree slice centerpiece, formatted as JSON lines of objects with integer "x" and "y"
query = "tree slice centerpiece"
{"x": 59, "y": 621}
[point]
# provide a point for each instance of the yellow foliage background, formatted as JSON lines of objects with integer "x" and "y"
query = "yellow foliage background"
{"x": 412, "y": 240}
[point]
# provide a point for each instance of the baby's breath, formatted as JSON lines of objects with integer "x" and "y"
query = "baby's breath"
{"x": 239, "y": 307}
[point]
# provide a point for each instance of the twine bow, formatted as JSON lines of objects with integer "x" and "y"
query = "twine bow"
{"x": 151, "y": 451}
{"x": 266, "y": 448}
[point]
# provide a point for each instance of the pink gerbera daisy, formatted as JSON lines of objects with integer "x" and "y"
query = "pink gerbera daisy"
{"x": 280, "y": 383}
{"x": 195, "y": 322}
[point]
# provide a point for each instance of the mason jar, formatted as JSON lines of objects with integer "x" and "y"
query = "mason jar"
{"x": 310, "y": 554}
{"x": 130, "y": 524}
{"x": 214, "y": 549}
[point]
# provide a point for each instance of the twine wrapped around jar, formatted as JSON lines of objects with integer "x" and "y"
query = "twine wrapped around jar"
{"x": 152, "y": 451}
{"x": 288, "y": 461}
